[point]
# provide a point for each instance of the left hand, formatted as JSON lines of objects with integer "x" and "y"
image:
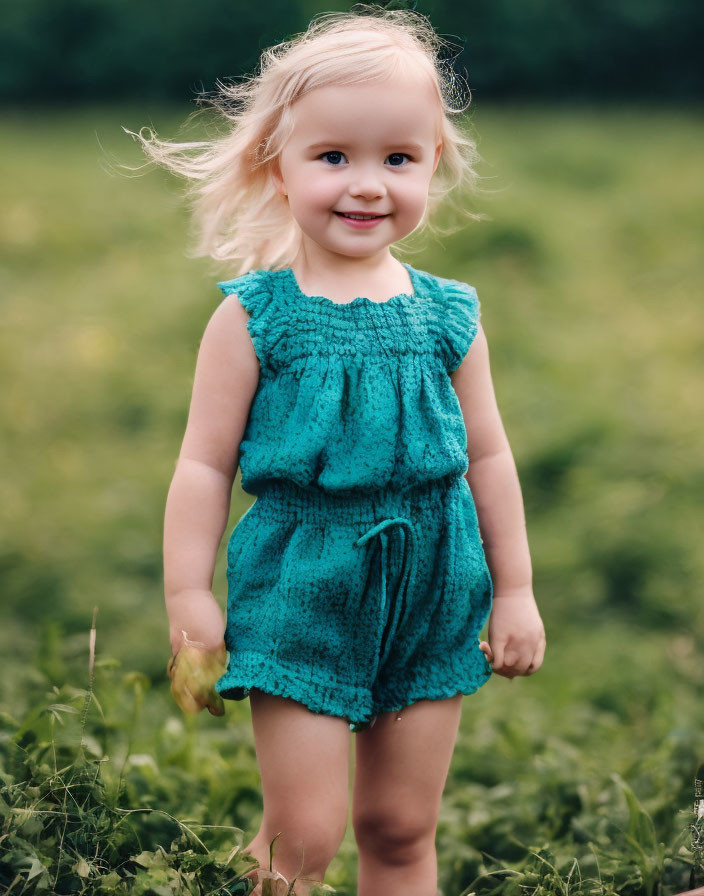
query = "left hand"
{"x": 516, "y": 634}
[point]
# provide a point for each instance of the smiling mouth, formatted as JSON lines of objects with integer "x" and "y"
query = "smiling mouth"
{"x": 359, "y": 217}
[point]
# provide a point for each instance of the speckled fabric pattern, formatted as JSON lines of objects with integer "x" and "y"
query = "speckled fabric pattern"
{"x": 357, "y": 581}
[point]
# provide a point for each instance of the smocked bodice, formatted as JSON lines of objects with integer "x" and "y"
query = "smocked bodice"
{"x": 355, "y": 396}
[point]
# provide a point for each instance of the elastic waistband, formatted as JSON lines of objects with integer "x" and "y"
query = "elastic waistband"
{"x": 283, "y": 499}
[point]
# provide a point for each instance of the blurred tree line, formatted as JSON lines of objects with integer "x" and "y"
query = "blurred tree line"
{"x": 77, "y": 50}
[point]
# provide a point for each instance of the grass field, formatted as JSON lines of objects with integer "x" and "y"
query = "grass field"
{"x": 589, "y": 270}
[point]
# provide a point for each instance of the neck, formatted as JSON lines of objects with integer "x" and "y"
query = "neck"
{"x": 313, "y": 262}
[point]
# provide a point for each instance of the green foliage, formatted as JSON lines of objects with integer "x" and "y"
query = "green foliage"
{"x": 66, "y": 828}
{"x": 74, "y": 819}
{"x": 563, "y": 823}
{"x": 71, "y": 818}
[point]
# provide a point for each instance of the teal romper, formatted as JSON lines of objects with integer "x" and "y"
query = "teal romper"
{"x": 357, "y": 580}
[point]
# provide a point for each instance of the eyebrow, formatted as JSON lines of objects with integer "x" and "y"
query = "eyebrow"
{"x": 405, "y": 144}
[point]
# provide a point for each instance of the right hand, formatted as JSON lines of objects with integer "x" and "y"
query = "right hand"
{"x": 199, "y": 615}
{"x": 198, "y": 651}
{"x": 193, "y": 673}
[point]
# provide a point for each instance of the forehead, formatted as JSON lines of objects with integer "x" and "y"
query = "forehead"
{"x": 388, "y": 110}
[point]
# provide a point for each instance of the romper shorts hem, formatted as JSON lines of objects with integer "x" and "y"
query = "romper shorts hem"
{"x": 437, "y": 683}
{"x": 256, "y": 670}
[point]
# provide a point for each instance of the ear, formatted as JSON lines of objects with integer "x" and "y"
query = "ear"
{"x": 438, "y": 153}
{"x": 276, "y": 178}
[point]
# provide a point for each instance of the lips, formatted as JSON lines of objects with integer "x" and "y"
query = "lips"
{"x": 359, "y": 216}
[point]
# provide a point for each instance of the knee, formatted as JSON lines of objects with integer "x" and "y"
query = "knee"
{"x": 306, "y": 842}
{"x": 397, "y": 838}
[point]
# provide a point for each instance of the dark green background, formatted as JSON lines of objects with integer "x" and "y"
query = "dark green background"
{"x": 593, "y": 49}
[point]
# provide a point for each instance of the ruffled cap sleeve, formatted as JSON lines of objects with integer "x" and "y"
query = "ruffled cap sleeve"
{"x": 255, "y": 295}
{"x": 458, "y": 321}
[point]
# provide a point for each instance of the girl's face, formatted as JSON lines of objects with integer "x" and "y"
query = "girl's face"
{"x": 368, "y": 149}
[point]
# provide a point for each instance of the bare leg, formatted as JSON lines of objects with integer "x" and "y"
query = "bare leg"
{"x": 400, "y": 774}
{"x": 303, "y": 760}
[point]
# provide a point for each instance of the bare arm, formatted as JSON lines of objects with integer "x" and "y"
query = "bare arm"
{"x": 516, "y": 633}
{"x": 492, "y": 474}
{"x": 198, "y": 502}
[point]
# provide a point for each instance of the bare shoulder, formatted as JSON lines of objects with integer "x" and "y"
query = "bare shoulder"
{"x": 473, "y": 373}
{"x": 226, "y": 338}
{"x": 473, "y": 384}
{"x": 224, "y": 385}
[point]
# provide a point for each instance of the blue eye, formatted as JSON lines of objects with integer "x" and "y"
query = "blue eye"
{"x": 396, "y": 159}
{"x": 334, "y": 157}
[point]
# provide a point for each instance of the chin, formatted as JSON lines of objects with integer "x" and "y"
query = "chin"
{"x": 363, "y": 251}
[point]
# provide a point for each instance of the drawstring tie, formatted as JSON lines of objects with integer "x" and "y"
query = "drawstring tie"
{"x": 397, "y": 608}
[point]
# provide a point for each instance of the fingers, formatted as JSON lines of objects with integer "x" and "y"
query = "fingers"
{"x": 193, "y": 672}
{"x": 186, "y": 700}
{"x": 538, "y": 657}
{"x": 498, "y": 662}
{"x": 215, "y": 704}
{"x": 486, "y": 649}
{"x": 509, "y": 661}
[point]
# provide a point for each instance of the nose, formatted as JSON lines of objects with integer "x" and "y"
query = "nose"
{"x": 367, "y": 183}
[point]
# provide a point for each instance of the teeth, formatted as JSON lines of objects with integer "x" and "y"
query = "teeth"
{"x": 359, "y": 217}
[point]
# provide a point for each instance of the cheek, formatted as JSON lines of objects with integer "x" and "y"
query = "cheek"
{"x": 322, "y": 185}
{"x": 413, "y": 195}
{"x": 315, "y": 193}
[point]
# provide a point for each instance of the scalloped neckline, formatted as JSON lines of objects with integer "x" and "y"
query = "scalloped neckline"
{"x": 359, "y": 300}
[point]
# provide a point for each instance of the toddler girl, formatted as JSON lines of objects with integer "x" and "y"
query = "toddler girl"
{"x": 354, "y": 393}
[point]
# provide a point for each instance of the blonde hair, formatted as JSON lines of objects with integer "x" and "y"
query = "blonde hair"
{"x": 239, "y": 214}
